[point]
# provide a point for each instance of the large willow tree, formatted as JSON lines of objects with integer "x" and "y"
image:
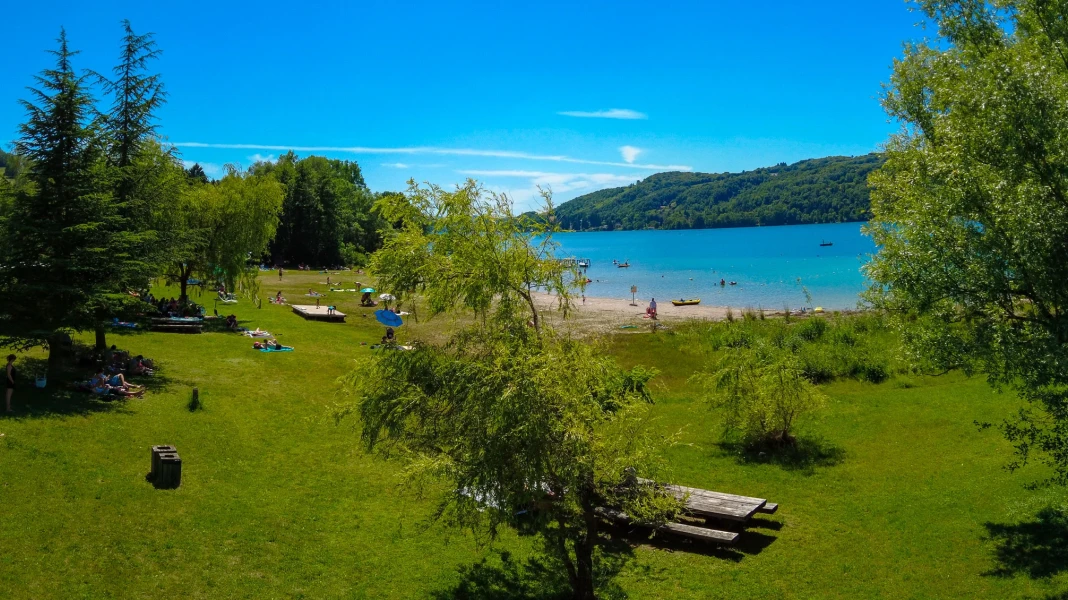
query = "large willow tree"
{"x": 971, "y": 207}
{"x": 528, "y": 428}
{"x": 222, "y": 226}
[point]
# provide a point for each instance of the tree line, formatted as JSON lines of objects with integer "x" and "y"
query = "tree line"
{"x": 94, "y": 205}
{"x": 823, "y": 190}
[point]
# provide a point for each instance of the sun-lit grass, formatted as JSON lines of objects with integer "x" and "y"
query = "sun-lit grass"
{"x": 894, "y": 492}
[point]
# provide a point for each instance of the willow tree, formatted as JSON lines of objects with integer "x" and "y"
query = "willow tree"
{"x": 223, "y": 226}
{"x": 971, "y": 207}
{"x": 529, "y": 428}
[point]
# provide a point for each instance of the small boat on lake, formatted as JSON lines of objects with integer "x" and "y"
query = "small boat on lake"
{"x": 691, "y": 302}
{"x": 623, "y": 265}
{"x": 826, "y": 243}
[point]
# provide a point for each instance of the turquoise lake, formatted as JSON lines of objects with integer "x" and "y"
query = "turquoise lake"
{"x": 769, "y": 264}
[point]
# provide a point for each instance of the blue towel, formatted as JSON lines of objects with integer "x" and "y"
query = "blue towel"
{"x": 275, "y": 350}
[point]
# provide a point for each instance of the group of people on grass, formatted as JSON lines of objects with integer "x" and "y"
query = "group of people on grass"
{"x": 110, "y": 376}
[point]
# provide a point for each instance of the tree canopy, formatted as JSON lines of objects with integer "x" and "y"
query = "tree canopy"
{"x": 823, "y": 190}
{"x": 971, "y": 208}
{"x": 327, "y": 216}
{"x": 222, "y": 227}
{"x": 68, "y": 245}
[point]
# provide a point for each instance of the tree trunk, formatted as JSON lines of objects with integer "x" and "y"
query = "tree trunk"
{"x": 183, "y": 283}
{"x": 101, "y": 337}
{"x": 583, "y": 586}
{"x": 58, "y": 352}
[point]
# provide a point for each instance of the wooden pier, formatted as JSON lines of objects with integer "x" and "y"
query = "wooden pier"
{"x": 319, "y": 313}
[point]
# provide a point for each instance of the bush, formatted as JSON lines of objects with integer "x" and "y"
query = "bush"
{"x": 763, "y": 391}
{"x": 812, "y": 329}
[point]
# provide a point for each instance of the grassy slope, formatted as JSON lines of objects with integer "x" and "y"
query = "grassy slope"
{"x": 277, "y": 501}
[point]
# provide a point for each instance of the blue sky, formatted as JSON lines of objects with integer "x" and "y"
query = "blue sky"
{"x": 573, "y": 95}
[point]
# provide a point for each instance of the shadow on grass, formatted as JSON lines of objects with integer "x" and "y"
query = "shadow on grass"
{"x": 806, "y": 455}
{"x": 1037, "y": 548}
{"x": 538, "y": 578}
{"x": 60, "y": 398}
{"x": 750, "y": 542}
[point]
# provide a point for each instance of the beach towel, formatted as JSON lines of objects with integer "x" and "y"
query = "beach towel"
{"x": 275, "y": 350}
{"x": 253, "y": 334}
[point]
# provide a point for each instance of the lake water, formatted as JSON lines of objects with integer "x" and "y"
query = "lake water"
{"x": 770, "y": 264}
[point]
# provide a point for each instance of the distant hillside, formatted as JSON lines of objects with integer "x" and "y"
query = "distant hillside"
{"x": 820, "y": 190}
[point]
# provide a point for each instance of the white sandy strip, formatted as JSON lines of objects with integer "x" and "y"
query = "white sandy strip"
{"x": 613, "y": 309}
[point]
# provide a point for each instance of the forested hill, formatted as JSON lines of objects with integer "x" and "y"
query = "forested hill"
{"x": 820, "y": 190}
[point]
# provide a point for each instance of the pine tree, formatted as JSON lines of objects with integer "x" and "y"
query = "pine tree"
{"x": 142, "y": 170}
{"x": 63, "y": 232}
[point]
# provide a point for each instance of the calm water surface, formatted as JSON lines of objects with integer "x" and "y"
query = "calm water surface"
{"x": 770, "y": 264}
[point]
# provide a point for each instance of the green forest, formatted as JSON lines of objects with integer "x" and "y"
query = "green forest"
{"x": 821, "y": 190}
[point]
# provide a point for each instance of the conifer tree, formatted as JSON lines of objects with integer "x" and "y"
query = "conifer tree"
{"x": 143, "y": 171}
{"x": 63, "y": 232}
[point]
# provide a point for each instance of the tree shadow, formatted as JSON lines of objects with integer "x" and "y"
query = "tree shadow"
{"x": 61, "y": 396}
{"x": 1037, "y": 548}
{"x": 749, "y": 543}
{"x": 540, "y": 577}
{"x": 805, "y": 455}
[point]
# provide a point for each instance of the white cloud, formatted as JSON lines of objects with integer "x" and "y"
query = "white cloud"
{"x": 559, "y": 182}
{"x": 257, "y": 157}
{"x": 414, "y": 150}
{"x": 629, "y": 153}
{"x": 612, "y": 113}
{"x": 397, "y": 165}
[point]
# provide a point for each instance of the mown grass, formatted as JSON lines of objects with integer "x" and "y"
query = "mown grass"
{"x": 893, "y": 492}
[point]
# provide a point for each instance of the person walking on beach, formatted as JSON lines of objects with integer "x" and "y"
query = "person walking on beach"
{"x": 9, "y": 379}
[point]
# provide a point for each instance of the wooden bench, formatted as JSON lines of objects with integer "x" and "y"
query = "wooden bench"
{"x": 176, "y": 328}
{"x": 703, "y": 534}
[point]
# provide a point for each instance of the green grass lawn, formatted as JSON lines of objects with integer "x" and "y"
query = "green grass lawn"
{"x": 897, "y": 494}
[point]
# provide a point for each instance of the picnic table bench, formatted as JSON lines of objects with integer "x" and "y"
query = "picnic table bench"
{"x": 691, "y": 531}
{"x": 701, "y": 503}
{"x": 177, "y": 325}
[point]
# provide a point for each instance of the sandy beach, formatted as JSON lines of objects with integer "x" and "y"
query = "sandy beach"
{"x": 610, "y": 313}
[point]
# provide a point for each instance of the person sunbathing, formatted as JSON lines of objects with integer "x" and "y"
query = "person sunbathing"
{"x": 118, "y": 380}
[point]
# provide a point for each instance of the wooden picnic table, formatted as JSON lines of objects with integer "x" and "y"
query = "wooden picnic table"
{"x": 706, "y": 503}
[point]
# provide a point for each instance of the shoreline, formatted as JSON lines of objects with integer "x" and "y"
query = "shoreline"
{"x": 619, "y": 311}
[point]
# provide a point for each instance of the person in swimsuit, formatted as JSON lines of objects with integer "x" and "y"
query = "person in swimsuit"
{"x": 9, "y": 379}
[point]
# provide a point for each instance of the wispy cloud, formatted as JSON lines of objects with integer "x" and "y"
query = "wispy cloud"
{"x": 559, "y": 182}
{"x": 397, "y": 165}
{"x": 629, "y": 153}
{"x": 432, "y": 150}
{"x": 257, "y": 157}
{"x": 612, "y": 113}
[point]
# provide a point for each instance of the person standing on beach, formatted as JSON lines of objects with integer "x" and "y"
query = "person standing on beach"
{"x": 9, "y": 379}
{"x": 652, "y": 308}
{"x": 279, "y": 273}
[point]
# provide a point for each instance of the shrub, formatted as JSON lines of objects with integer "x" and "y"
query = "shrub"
{"x": 763, "y": 392}
{"x": 812, "y": 329}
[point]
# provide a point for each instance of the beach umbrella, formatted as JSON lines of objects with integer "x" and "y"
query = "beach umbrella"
{"x": 388, "y": 318}
{"x": 367, "y": 291}
{"x": 388, "y": 297}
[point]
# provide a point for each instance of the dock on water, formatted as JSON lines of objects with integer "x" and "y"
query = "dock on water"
{"x": 318, "y": 313}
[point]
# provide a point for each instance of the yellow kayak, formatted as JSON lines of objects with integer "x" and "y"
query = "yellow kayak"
{"x": 686, "y": 302}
